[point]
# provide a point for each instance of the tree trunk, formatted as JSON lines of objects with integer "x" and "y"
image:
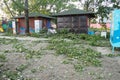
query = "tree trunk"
{"x": 27, "y": 17}
{"x": 8, "y": 8}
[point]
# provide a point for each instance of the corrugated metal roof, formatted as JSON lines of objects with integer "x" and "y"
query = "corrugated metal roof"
{"x": 74, "y": 12}
{"x": 35, "y": 15}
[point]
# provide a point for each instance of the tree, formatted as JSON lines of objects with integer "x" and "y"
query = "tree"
{"x": 87, "y": 5}
{"x": 104, "y": 8}
{"x": 17, "y": 6}
{"x": 26, "y": 16}
{"x": 50, "y": 6}
{"x": 8, "y": 8}
{"x": 42, "y": 6}
{"x": 116, "y": 3}
{"x": 101, "y": 7}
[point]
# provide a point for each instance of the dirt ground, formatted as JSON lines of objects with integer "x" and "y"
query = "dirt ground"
{"x": 51, "y": 67}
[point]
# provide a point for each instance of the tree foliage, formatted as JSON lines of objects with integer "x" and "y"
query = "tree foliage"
{"x": 42, "y": 6}
{"x": 105, "y": 8}
{"x": 87, "y": 4}
{"x": 102, "y": 7}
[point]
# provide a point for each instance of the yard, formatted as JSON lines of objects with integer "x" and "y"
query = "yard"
{"x": 65, "y": 56}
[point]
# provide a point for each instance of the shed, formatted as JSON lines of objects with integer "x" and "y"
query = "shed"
{"x": 37, "y": 22}
{"x": 75, "y": 20}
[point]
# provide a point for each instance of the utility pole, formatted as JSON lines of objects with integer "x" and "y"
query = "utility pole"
{"x": 27, "y": 17}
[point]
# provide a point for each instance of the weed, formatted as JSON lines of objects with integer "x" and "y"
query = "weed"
{"x": 110, "y": 55}
{"x": 4, "y": 41}
{"x": 8, "y": 32}
{"x": 35, "y": 35}
{"x": 1, "y": 65}
{"x": 85, "y": 56}
{"x": 8, "y": 41}
{"x": 12, "y": 75}
{"x": 84, "y": 36}
{"x": 91, "y": 73}
{"x": 31, "y": 53}
{"x": 93, "y": 40}
{"x": 22, "y": 67}
{"x": 2, "y": 58}
{"x": 41, "y": 68}
{"x": 33, "y": 70}
{"x": 79, "y": 67}
{"x": 7, "y": 51}
{"x": 28, "y": 56}
{"x": 66, "y": 62}
{"x": 113, "y": 55}
{"x": 63, "y": 31}
{"x": 19, "y": 47}
{"x": 101, "y": 76}
{"x": 71, "y": 36}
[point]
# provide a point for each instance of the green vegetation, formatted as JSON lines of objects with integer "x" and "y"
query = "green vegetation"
{"x": 2, "y": 58}
{"x": 76, "y": 48}
{"x": 41, "y": 68}
{"x": 93, "y": 40}
{"x": 73, "y": 46}
{"x": 66, "y": 62}
{"x": 12, "y": 75}
{"x": 8, "y": 41}
{"x": 17, "y": 7}
{"x": 113, "y": 55}
{"x": 9, "y": 32}
{"x": 33, "y": 70}
{"x": 35, "y": 35}
{"x": 22, "y": 67}
{"x": 29, "y": 53}
{"x": 85, "y": 56}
